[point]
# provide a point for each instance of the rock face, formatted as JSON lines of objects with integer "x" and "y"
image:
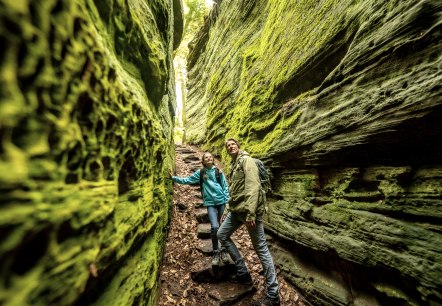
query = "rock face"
{"x": 342, "y": 100}
{"x": 86, "y": 105}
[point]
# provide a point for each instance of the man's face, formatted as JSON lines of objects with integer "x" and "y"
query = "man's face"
{"x": 232, "y": 148}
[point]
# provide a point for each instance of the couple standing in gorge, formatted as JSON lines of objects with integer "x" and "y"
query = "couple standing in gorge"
{"x": 245, "y": 205}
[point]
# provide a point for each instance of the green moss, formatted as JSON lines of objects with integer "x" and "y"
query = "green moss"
{"x": 319, "y": 84}
{"x": 86, "y": 146}
{"x": 394, "y": 292}
{"x": 281, "y": 128}
{"x": 253, "y": 63}
{"x": 137, "y": 279}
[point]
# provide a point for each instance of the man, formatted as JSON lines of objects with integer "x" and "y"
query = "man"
{"x": 247, "y": 205}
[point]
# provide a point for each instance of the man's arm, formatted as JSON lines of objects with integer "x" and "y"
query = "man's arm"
{"x": 252, "y": 185}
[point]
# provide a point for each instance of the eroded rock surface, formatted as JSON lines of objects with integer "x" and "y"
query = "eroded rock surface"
{"x": 86, "y": 105}
{"x": 342, "y": 100}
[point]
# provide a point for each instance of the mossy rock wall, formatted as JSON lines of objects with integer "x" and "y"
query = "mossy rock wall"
{"x": 342, "y": 100}
{"x": 86, "y": 106}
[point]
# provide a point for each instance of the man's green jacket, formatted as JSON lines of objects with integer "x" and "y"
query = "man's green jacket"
{"x": 246, "y": 195}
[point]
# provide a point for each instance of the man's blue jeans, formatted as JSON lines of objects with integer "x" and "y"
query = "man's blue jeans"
{"x": 215, "y": 213}
{"x": 228, "y": 227}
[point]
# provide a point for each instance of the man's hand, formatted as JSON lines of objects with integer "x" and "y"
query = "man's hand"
{"x": 251, "y": 224}
{"x": 223, "y": 217}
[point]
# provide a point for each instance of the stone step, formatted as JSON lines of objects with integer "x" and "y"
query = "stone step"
{"x": 203, "y": 230}
{"x": 188, "y": 159}
{"x": 217, "y": 285}
{"x": 197, "y": 191}
{"x": 195, "y": 163}
{"x": 212, "y": 274}
{"x": 227, "y": 293}
{"x": 205, "y": 246}
{"x": 201, "y": 215}
{"x": 195, "y": 167}
{"x": 199, "y": 204}
{"x": 181, "y": 206}
{"x": 184, "y": 150}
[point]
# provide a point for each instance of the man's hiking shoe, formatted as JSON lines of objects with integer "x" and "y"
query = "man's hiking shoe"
{"x": 268, "y": 302}
{"x": 245, "y": 279}
{"x": 215, "y": 258}
{"x": 225, "y": 257}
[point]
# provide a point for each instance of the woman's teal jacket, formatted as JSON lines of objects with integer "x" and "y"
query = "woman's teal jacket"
{"x": 213, "y": 192}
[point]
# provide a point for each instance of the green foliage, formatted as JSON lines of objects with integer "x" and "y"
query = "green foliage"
{"x": 194, "y": 12}
{"x": 178, "y": 134}
{"x": 194, "y": 17}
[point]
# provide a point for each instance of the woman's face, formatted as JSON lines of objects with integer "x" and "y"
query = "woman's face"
{"x": 208, "y": 160}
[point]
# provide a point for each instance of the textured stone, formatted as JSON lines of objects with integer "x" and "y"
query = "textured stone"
{"x": 228, "y": 293}
{"x": 190, "y": 159}
{"x": 203, "y": 231}
{"x": 342, "y": 100}
{"x": 205, "y": 246}
{"x": 178, "y": 22}
{"x": 201, "y": 215}
{"x": 213, "y": 274}
{"x": 86, "y": 105}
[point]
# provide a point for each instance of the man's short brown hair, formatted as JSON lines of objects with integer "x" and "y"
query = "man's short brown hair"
{"x": 234, "y": 140}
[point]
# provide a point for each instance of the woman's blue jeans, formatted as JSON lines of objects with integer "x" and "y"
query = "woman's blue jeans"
{"x": 215, "y": 213}
{"x": 228, "y": 227}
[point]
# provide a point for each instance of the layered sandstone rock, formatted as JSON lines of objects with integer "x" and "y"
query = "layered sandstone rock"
{"x": 343, "y": 101}
{"x": 86, "y": 105}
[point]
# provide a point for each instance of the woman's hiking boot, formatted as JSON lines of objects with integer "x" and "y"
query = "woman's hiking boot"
{"x": 245, "y": 279}
{"x": 268, "y": 302}
{"x": 225, "y": 256}
{"x": 216, "y": 258}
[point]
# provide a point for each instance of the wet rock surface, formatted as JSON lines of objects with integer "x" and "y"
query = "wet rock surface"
{"x": 86, "y": 120}
{"x": 342, "y": 100}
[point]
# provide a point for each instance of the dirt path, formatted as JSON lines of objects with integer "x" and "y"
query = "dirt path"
{"x": 187, "y": 257}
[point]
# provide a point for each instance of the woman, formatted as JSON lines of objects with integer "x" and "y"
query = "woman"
{"x": 215, "y": 196}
